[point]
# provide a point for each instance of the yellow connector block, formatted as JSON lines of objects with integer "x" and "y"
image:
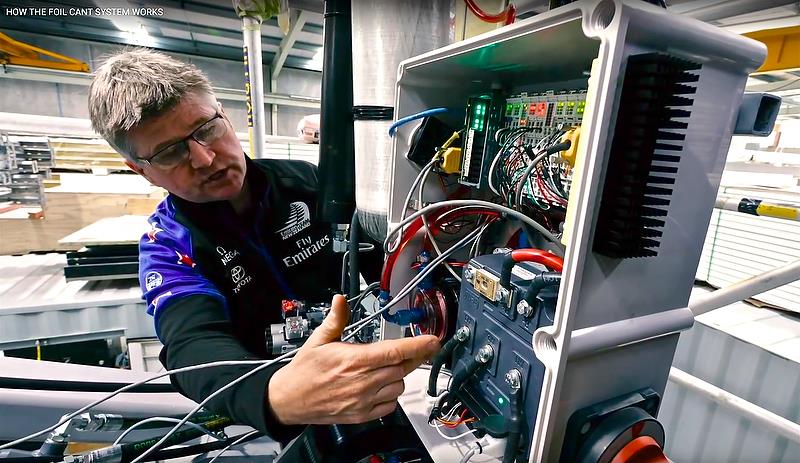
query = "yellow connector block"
{"x": 570, "y": 154}
{"x": 451, "y": 161}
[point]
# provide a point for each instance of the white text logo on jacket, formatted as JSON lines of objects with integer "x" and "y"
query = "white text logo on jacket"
{"x": 299, "y": 219}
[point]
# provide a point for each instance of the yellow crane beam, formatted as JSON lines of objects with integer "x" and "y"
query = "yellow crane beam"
{"x": 783, "y": 48}
{"x": 23, "y": 54}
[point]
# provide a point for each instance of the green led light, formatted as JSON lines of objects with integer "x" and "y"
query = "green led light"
{"x": 501, "y": 401}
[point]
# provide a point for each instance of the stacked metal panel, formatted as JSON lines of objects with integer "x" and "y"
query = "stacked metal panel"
{"x": 751, "y": 352}
{"x": 37, "y": 303}
{"x": 739, "y": 246}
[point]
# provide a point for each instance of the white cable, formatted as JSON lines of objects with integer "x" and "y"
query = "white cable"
{"x": 428, "y": 232}
{"x": 68, "y": 417}
{"x": 445, "y": 436}
{"x": 471, "y": 453}
{"x": 237, "y": 441}
{"x": 164, "y": 419}
{"x": 474, "y": 202}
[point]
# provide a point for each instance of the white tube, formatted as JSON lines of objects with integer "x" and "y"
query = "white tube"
{"x": 762, "y": 417}
{"x": 748, "y": 288}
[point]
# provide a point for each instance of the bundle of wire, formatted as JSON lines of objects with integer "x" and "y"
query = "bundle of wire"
{"x": 517, "y": 165}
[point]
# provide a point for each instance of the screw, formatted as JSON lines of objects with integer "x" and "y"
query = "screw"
{"x": 462, "y": 334}
{"x": 502, "y": 294}
{"x": 524, "y": 309}
{"x": 469, "y": 272}
{"x": 485, "y": 354}
{"x": 514, "y": 379}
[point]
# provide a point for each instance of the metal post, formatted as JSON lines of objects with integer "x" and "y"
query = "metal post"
{"x": 254, "y": 85}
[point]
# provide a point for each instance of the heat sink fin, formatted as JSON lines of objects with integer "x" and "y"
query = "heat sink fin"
{"x": 657, "y": 89}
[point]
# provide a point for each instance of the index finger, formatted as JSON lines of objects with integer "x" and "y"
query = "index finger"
{"x": 394, "y": 351}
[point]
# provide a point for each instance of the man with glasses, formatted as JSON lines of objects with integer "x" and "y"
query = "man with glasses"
{"x": 232, "y": 240}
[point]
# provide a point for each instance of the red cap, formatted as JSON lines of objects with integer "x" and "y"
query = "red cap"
{"x": 288, "y": 305}
{"x": 643, "y": 449}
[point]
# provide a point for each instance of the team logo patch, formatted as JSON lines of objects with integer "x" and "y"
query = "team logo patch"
{"x": 240, "y": 278}
{"x": 226, "y": 256}
{"x": 152, "y": 280}
{"x": 299, "y": 219}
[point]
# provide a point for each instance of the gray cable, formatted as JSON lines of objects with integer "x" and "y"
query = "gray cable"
{"x": 355, "y": 329}
{"x": 410, "y": 194}
{"x": 427, "y": 227}
{"x": 412, "y": 284}
{"x": 362, "y": 247}
{"x": 474, "y": 202}
{"x": 163, "y": 419}
{"x": 521, "y": 185}
{"x": 66, "y": 418}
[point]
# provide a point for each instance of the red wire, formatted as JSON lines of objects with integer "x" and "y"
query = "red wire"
{"x": 507, "y": 16}
{"x": 540, "y": 257}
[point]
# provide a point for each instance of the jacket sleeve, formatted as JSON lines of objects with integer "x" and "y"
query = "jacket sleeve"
{"x": 195, "y": 330}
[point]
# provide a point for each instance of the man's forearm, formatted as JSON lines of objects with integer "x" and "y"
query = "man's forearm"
{"x": 195, "y": 331}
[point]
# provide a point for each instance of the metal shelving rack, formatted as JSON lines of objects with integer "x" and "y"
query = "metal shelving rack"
{"x": 24, "y": 163}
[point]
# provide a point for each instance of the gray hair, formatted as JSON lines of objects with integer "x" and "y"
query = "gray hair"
{"x": 134, "y": 85}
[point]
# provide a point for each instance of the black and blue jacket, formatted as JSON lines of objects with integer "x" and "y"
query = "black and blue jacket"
{"x": 214, "y": 282}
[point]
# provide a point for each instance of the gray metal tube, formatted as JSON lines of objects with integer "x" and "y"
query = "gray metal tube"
{"x": 588, "y": 341}
{"x": 256, "y": 115}
{"x": 750, "y": 287}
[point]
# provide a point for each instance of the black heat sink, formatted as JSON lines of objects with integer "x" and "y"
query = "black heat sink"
{"x": 657, "y": 95}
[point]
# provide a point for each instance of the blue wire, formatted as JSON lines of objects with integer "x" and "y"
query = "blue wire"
{"x": 413, "y": 117}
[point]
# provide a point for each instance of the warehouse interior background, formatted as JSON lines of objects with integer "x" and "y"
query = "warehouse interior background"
{"x": 68, "y": 191}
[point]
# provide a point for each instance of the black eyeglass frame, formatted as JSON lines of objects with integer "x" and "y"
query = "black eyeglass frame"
{"x": 148, "y": 161}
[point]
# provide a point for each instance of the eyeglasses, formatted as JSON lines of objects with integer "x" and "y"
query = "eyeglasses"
{"x": 174, "y": 154}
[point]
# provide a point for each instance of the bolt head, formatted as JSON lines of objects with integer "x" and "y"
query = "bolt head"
{"x": 485, "y": 353}
{"x": 513, "y": 379}
{"x": 462, "y": 334}
{"x": 524, "y": 309}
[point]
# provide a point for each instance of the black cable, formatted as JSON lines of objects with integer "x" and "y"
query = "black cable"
{"x": 438, "y": 360}
{"x": 80, "y": 386}
{"x": 131, "y": 450}
{"x": 197, "y": 449}
{"x": 460, "y": 378}
{"x": 356, "y": 310}
{"x": 353, "y": 247}
{"x": 540, "y": 281}
{"x": 515, "y": 418}
{"x": 31, "y": 459}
